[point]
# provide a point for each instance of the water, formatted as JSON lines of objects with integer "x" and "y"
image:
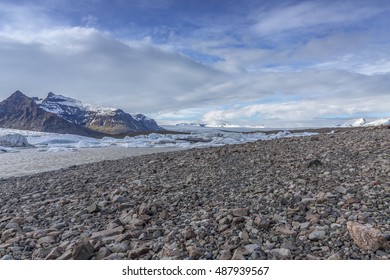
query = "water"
{"x": 31, "y": 161}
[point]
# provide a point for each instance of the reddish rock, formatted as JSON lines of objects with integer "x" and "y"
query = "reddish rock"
{"x": 367, "y": 238}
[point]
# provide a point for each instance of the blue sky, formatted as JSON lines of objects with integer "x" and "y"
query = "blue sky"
{"x": 250, "y": 62}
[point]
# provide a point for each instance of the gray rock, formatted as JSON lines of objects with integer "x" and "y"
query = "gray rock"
{"x": 7, "y": 257}
{"x": 82, "y": 250}
{"x": 341, "y": 189}
{"x": 55, "y": 253}
{"x": 240, "y": 253}
{"x": 317, "y": 235}
{"x": 93, "y": 208}
{"x": 240, "y": 212}
{"x": 225, "y": 255}
{"x": 46, "y": 240}
{"x": 138, "y": 252}
{"x": 194, "y": 252}
{"x": 107, "y": 232}
{"x": 103, "y": 253}
{"x": 281, "y": 253}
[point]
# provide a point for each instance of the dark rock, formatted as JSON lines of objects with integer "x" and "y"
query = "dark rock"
{"x": 82, "y": 250}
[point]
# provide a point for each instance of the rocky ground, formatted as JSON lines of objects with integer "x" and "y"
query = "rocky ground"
{"x": 317, "y": 197}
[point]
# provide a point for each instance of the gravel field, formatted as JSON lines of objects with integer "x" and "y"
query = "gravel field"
{"x": 319, "y": 197}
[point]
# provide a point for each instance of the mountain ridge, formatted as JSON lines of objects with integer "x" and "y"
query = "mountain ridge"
{"x": 61, "y": 114}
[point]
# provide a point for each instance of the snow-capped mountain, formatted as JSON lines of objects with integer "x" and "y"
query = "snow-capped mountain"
{"x": 360, "y": 122}
{"x": 69, "y": 116}
{"x": 103, "y": 119}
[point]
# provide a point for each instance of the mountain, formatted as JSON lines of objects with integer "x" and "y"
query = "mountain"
{"x": 362, "y": 122}
{"x": 57, "y": 113}
{"x": 21, "y": 112}
{"x": 103, "y": 119}
{"x": 354, "y": 123}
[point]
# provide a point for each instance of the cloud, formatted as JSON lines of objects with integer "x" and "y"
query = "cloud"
{"x": 319, "y": 95}
{"x": 309, "y": 14}
{"x": 87, "y": 64}
{"x": 291, "y": 62}
{"x": 89, "y": 21}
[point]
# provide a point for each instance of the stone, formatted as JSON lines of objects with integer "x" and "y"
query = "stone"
{"x": 144, "y": 209}
{"x": 156, "y": 234}
{"x": 288, "y": 244}
{"x": 66, "y": 256}
{"x": 163, "y": 215}
{"x": 194, "y": 252}
{"x": 284, "y": 230}
{"x": 18, "y": 220}
{"x": 124, "y": 237}
{"x": 366, "y": 237}
{"x": 317, "y": 235}
{"x": 93, "y": 208}
{"x": 240, "y": 212}
{"x": 82, "y": 250}
{"x": 188, "y": 234}
{"x": 135, "y": 222}
{"x": 341, "y": 189}
{"x": 107, "y": 232}
{"x": 41, "y": 253}
{"x": 281, "y": 253}
{"x": 240, "y": 253}
{"x": 7, "y": 257}
{"x": 8, "y": 233}
{"x": 238, "y": 220}
{"x": 140, "y": 251}
{"x": 118, "y": 199}
{"x": 252, "y": 247}
{"x": 225, "y": 255}
{"x": 262, "y": 223}
{"x": 103, "y": 253}
{"x": 122, "y": 247}
{"x": 15, "y": 226}
{"x": 46, "y": 240}
{"x": 335, "y": 256}
{"x": 55, "y": 253}
{"x": 312, "y": 163}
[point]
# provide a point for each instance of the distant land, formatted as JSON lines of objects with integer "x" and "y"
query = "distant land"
{"x": 61, "y": 114}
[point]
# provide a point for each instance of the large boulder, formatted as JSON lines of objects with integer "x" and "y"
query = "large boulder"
{"x": 366, "y": 237}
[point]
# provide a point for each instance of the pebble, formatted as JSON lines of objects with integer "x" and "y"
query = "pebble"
{"x": 290, "y": 198}
{"x": 317, "y": 235}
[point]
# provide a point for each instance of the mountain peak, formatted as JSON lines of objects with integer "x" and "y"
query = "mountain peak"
{"x": 18, "y": 93}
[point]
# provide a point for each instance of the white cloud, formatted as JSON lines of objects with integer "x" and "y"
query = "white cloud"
{"x": 87, "y": 64}
{"x": 90, "y": 20}
{"x": 309, "y": 14}
{"x": 286, "y": 84}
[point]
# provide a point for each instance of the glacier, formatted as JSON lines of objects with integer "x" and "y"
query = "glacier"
{"x": 197, "y": 138}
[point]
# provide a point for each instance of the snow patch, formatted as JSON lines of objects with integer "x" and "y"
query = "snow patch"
{"x": 379, "y": 122}
{"x": 354, "y": 123}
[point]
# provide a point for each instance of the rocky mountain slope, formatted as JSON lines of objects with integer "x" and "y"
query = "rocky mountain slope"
{"x": 21, "y": 112}
{"x": 57, "y": 113}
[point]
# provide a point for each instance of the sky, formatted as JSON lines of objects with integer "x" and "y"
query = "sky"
{"x": 251, "y": 62}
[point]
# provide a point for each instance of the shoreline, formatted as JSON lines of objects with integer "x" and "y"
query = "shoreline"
{"x": 30, "y": 161}
{"x": 289, "y": 198}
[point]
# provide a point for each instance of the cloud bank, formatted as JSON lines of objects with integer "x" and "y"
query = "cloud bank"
{"x": 289, "y": 63}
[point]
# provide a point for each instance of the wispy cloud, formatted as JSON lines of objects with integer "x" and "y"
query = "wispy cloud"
{"x": 310, "y": 14}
